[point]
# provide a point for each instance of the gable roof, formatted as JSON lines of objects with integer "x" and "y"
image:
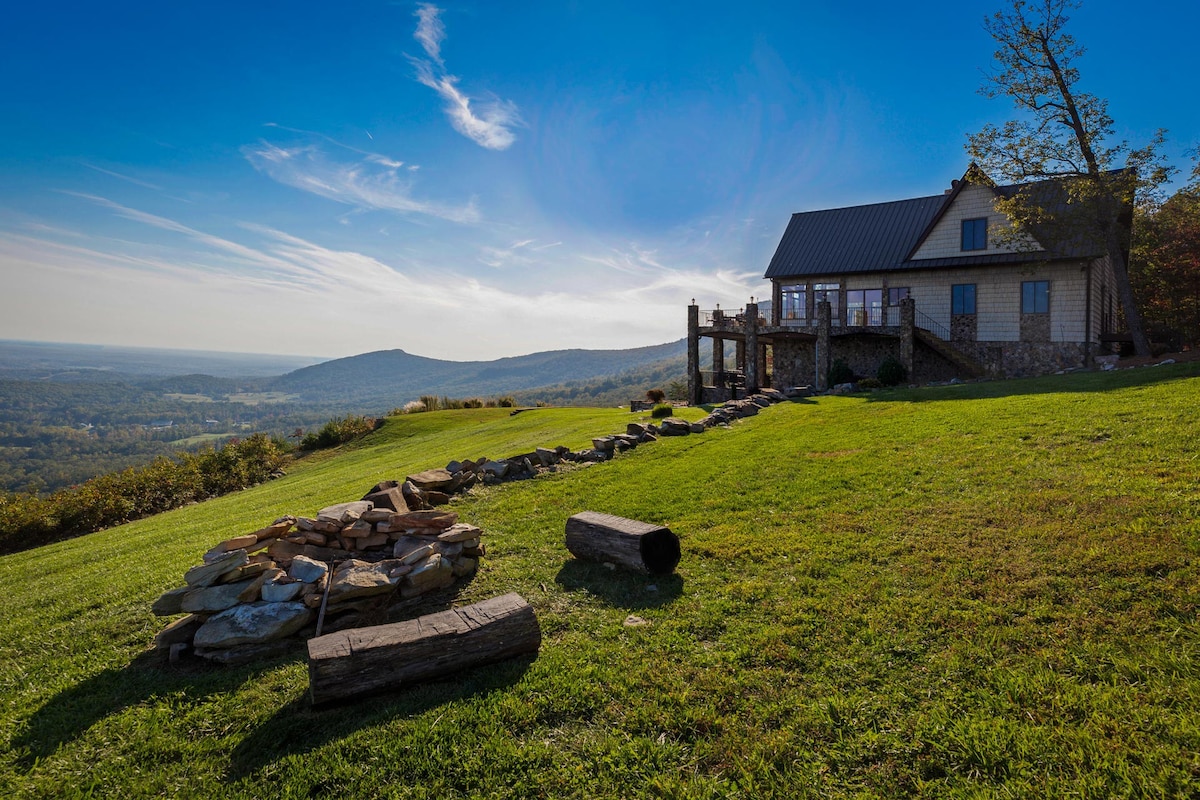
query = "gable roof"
{"x": 854, "y": 239}
{"x": 884, "y": 236}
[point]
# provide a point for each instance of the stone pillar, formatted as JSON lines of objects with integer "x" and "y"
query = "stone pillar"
{"x": 718, "y": 361}
{"x": 822, "y": 355}
{"x": 908, "y": 324}
{"x": 695, "y": 385}
{"x": 750, "y": 353}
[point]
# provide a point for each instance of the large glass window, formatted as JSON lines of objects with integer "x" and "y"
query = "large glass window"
{"x": 1035, "y": 297}
{"x": 974, "y": 234}
{"x": 864, "y": 307}
{"x": 793, "y": 306}
{"x": 962, "y": 298}
{"x": 829, "y": 292}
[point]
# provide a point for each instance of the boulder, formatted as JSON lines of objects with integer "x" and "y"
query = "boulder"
{"x": 170, "y": 603}
{"x": 355, "y": 578}
{"x": 252, "y": 623}
{"x": 279, "y": 527}
{"x": 460, "y": 532}
{"x": 497, "y": 469}
{"x": 546, "y": 456}
{"x": 181, "y": 631}
{"x": 244, "y": 653}
{"x": 281, "y": 592}
{"x": 673, "y": 426}
{"x": 434, "y": 573}
{"x": 211, "y": 599}
{"x": 391, "y": 498}
{"x": 432, "y": 479}
{"x": 430, "y": 520}
{"x": 206, "y": 574}
{"x": 344, "y": 513}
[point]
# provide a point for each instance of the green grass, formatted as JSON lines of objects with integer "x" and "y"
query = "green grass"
{"x": 201, "y": 438}
{"x": 987, "y": 590}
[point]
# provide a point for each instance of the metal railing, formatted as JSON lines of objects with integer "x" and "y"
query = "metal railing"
{"x": 724, "y": 319}
{"x": 930, "y": 324}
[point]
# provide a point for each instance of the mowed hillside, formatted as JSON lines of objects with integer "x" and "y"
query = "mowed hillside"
{"x": 981, "y": 590}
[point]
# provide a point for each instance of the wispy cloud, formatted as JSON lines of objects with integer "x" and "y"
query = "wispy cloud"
{"x": 135, "y": 181}
{"x": 490, "y": 124}
{"x": 374, "y": 183}
{"x": 430, "y": 30}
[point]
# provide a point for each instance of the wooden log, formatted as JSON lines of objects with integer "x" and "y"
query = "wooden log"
{"x": 365, "y": 660}
{"x": 639, "y": 546}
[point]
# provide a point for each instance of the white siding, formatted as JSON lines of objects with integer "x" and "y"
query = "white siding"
{"x": 997, "y": 296}
{"x": 945, "y": 240}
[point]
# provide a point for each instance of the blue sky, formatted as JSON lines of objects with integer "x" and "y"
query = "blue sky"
{"x": 471, "y": 180}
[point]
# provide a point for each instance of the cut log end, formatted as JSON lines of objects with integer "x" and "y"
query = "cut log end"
{"x": 628, "y": 543}
{"x": 660, "y": 551}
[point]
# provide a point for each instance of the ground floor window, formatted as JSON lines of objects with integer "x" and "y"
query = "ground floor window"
{"x": 1035, "y": 297}
{"x": 896, "y": 294}
{"x": 962, "y": 298}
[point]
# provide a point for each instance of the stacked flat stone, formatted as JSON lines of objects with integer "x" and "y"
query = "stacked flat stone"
{"x": 253, "y": 594}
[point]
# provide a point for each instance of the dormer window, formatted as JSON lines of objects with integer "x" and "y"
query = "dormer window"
{"x": 974, "y": 234}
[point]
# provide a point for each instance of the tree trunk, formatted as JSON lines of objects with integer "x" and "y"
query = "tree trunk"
{"x": 365, "y": 660}
{"x": 638, "y": 546}
{"x": 1133, "y": 317}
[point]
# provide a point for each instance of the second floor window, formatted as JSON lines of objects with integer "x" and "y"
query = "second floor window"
{"x": 793, "y": 303}
{"x": 974, "y": 234}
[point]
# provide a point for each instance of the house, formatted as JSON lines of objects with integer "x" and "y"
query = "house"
{"x": 939, "y": 283}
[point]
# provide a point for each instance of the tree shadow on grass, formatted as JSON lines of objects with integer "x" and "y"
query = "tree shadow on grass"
{"x": 298, "y": 728}
{"x": 1072, "y": 383}
{"x": 72, "y": 712}
{"x": 620, "y": 588}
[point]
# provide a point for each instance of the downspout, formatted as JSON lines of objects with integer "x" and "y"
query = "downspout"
{"x": 1087, "y": 318}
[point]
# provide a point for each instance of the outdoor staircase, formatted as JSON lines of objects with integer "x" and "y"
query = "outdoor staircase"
{"x": 959, "y": 359}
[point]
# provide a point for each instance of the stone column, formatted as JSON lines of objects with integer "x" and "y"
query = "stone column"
{"x": 751, "y": 354}
{"x": 908, "y": 324}
{"x": 822, "y": 355}
{"x": 695, "y": 385}
{"x": 718, "y": 361}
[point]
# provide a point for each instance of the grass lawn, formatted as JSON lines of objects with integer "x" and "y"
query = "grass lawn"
{"x": 988, "y": 590}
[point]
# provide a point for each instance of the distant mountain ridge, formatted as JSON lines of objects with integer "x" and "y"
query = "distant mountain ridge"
{"x": 394, "y": 376}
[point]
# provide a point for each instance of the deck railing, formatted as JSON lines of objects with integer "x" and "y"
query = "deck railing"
{"x": 724, "y": 319}
{"x": 930, "y": 324}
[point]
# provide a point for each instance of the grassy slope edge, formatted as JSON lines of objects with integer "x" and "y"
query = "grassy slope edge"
{"x": 984, "y": 590}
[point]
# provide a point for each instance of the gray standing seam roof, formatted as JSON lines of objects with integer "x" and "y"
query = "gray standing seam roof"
{"x": 882, "y": 236}
{"x": 855, "y": 239}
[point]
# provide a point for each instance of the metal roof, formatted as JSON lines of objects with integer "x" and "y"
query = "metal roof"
{"x": 882, "y": 236}
{"x": 855, "y": 239}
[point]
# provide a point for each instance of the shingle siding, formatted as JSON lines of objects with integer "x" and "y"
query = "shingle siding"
{"x": 945, "y": 240}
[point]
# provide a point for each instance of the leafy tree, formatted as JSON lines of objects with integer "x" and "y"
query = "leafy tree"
{"x": 1063, "y": 134}
{"x": 1165, "y": 261}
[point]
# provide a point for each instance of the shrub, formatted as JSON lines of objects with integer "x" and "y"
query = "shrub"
{"x": 656, "y": 396}
{"x": 870, "y": 383}
{"x": 413, "y": 407}
{"x": 661, "y": 411}
{"x": 430, "y": 401}
{"x": 891, "y": 372}
{"x": 338, "y": 431}
{"x": 506, "y": 402}
{"x": 677, "y": 390}
{"x": 473, "y": 402}
{"x": 27, "y": 520}
{"x": 840, "y": 372}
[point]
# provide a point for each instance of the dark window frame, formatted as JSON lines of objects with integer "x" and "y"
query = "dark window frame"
{"x": 962, "y": 299}
{"x": 974, "y": 234}
{"x": 1035, "y": 297}
{"x": 896, "y": 294}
